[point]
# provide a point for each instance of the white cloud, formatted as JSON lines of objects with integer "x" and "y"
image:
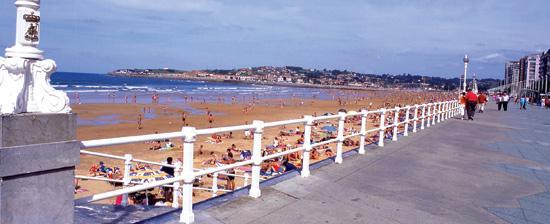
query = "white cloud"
{"x": 168, "y": 5}
{"x": 493, "y": 57}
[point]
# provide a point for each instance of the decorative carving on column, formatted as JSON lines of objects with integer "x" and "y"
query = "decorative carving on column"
{"x": 32, "y": 33}
{"x": 24, "y": 76}
{"x": 12, "y": 83}
{"x": 42, "y": 96}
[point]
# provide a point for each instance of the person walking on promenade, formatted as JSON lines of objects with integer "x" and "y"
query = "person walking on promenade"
{"x": 505, "y": 99}
{"x": 471, "y": 102}
{"x": 498, "y": 99}
{"x": 547, "y": 102}
{"x": 462, "y": 105}
{"x": 482, "y": 100}
{"x": 523, "y": 103}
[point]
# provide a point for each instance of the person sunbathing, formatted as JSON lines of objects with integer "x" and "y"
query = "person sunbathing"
{"x": 276, "y": 167}
{"x": 286, "y": 133}
{"x": 329, "y": 152}
{"x": 156, "y": 146}
{"x": 348, "y": 142}
{"x": 297, "y": 131}
{"x": 212, "y": 160}
{"x": 102, "y": 170}
{"x": 217, "y": 138}
{"x": 294, "y": 156}
{"x": 300, "y": 140}
{"x": 93, "y": 170}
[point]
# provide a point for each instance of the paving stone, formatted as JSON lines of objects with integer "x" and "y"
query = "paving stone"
{"x": 512, "y": 215}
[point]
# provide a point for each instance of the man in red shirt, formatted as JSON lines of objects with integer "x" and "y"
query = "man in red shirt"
{"x": 471, "y": 102}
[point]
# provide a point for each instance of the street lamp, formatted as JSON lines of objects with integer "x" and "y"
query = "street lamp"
{"x": 466, "y": 60}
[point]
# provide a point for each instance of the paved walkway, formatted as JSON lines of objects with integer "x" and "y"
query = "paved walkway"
{"x": 495, "y": 169}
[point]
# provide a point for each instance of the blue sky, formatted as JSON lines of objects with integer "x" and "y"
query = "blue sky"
{"x": 419, "y": 37}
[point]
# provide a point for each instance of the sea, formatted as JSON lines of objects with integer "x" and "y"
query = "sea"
{"x": 88, "y": 88}
{"x": 104, "y": 88}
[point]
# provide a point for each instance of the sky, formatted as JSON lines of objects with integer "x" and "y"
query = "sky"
{"x": 423, "y": 37}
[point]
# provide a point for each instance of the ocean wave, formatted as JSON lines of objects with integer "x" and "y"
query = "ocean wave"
{"x": 135, "y": 87}
{"x": 232, "y": 89}
{"x": 96, "y": 86}
{"x": 90, "y": 90}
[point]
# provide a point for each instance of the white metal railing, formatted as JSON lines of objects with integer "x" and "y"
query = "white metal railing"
{"x": 424, "y": 115}
{"x": 128, "y": 159}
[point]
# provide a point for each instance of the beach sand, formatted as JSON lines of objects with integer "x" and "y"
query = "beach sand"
{"x": 167, "y": 118}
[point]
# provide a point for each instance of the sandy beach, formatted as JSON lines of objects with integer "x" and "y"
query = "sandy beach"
{"x": 168, "y": 118}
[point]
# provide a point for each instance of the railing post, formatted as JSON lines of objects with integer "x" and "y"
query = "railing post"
{"x": 428, "y": 121}
{"x": 176, "y": 191}
{"x": 245, "y": 179}
{"x": 382, "y": 132}
{"x": 257, "y": 159}
{"x": 307, "y": 146}
{"x": 340, "y": 137}
{"x": 189, "y": 139}
{"x": 395, "y": 124}
{"x": 449, "y": 110}
{"x": 363, "y": 131}
{"x": 437, "y": 119}
{"x": 214, "y": 184}
{"x": 423, "y": 117}
{"x": 434, "y": 114}
{"x": 126, "y": 178}
{"x": 415, "y": 121}
{"x": 455, "y": 108}
{"x": 406, "y": 131}
{"x": 445, "y": 110}
{"x": 439, "y": 111}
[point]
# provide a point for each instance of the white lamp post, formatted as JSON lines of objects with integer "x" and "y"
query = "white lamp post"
{"x": 24, "y": 75}
{"x": 466, "y": 60}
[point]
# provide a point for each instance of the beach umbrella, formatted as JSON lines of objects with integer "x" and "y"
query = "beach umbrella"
{"x": 343, "y": 110}
{"x": 329, "y": 128}
{"x": 327, "y": 114}
{"x": 148, "y": 176}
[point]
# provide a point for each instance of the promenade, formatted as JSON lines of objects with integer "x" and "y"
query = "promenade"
{"x": 495, "y": 169}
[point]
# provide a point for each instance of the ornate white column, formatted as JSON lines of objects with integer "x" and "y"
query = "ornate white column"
{"x": 24, "y": 75}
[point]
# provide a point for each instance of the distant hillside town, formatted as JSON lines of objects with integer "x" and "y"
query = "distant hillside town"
{"x": 298, "y": 76}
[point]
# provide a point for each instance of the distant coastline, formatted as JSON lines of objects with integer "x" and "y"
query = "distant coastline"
{"x": 293, "y": 76}
{"x": 267, "y": 83}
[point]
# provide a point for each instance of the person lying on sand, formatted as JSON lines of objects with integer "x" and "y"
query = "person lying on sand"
{"x": 328, "y": 152}
{"x": 212, "y": 160}
{"x": 156, "y": 145}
